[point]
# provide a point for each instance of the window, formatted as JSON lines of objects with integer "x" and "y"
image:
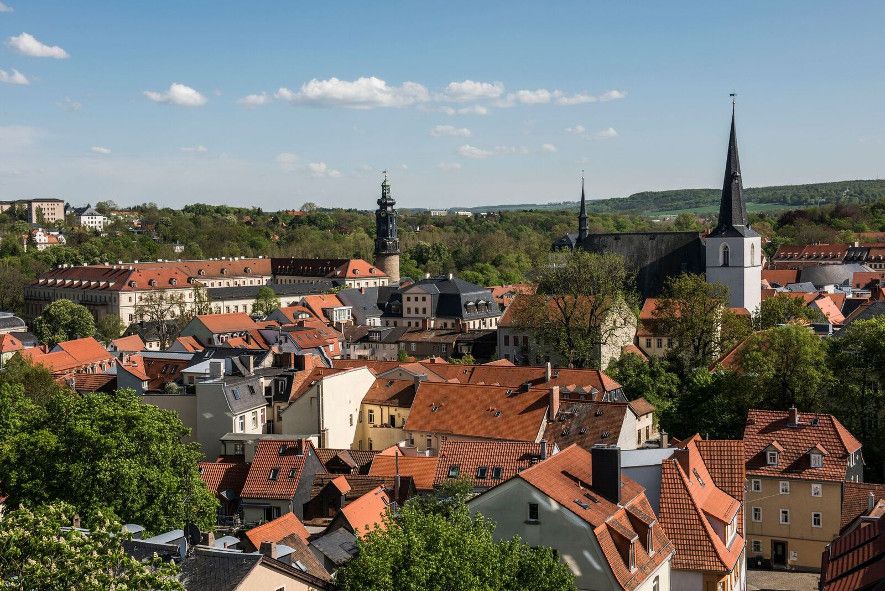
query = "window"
{"x": 241, "y": 420}
{"x": 292, "y": 473}
{"x": 815, "y": 519}
{"x": 274, "y": 473}
{"x": 725, "y": 255}
{"x": 785, "y": 516}
{"x": 656, "y": 585}
{"x": 752, "y": 255}
{"x": 454, "y": 470}
{"x": 429, "y": 442}
{"x": 756, "y": 546}
{"x": 351, "y": 419}
{"x": 785, "y": 487}
{"x": 496, "y": 473}
{"x": 647, "y": 432}
{"x": 669, "y": 342}
{"x": 533, "y": 512}
{"x": 254, "y": 419}
{"x": 816, "y": 489}
{"x": 371, "y": 418}
{"x": 756, "y": 485}
{"x": 660, "y": 343}
{"x": 481, "y": 472}
{"x": 648, "y": 343}
{"x": 772, "y": 458}
{"x": 757, "y": 514}
{"x": 639, "y": 437}
{"x": 817, "y": 461}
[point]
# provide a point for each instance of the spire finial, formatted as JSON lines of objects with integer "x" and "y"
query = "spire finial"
{"x": 732, "y": 95}
{"x": 384, "y": 172}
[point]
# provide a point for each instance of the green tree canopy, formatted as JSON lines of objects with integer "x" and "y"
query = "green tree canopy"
{"x": 105, "y": 454}
{"x": 423, "y": 549}
{"x": 650, "y": 379}
{"x": 265, "y": 302}
{"x": 63, "y": 320}
{"x": 37, "y": 555}
{"x": 783, "y": 308}
{"x": 109, "y": 327}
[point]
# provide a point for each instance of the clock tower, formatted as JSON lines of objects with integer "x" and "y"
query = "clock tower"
{"x": 386, "y": 240}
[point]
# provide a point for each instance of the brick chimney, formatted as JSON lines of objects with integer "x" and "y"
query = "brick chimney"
{"x": 543, "y": 444}
{"x": 554, "y": 403}
{"x": 269, "y": 549}
{"x": 606, "y": 471}
{"x": 793, "y": 420}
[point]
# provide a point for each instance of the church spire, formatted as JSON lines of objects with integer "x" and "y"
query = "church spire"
{"x": 732, "y": 207}
{"x": 582, "y": 216}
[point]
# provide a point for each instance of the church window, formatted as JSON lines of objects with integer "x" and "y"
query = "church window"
{"x": 725, "y": 255}
{"x": 752, "y": 255}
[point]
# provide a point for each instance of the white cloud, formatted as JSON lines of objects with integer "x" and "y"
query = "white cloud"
{"x": 14, "y": 77}
{"x": 5, "y": 7}
{"x": 26, "y": 44}
{"x": 101, "y": 150}
{"x": 13, "y": 137}
{"x": 473, "y": 110}
{"x": 468, "y": 151}
{"x": 577, "y": 130}
{"x": 468, "y": 90}
{"x": 581, "y": 98}
{"x": 178, "y": 94}
{"x": 254, "y": 100}
{"x": 362, "y": 93}
{"x": 287, "y": 161}
{"x": 612, "y": 95}
{"x": 68, "y": 104}
{"x": 548, "y": 148}
{"x": 511, "y": 150}
{"x": 200, "y": 149}
{"x": 320, "y": 169}
{"x": 538, "y": 96}
{"x": 449, "y": 130}
{"x": 448, "y": 166}
{"x": 605, "y": 134}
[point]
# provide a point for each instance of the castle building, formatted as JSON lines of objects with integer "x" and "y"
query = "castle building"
{"x": 731, "y": 254}
{"x": 386, "y": 240}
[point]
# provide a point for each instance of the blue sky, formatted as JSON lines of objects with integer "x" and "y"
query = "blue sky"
{"x": 466, "y": 103}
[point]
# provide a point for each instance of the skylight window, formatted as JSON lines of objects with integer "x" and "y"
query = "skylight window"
{"x": 496, "y": 473}
{"x": 236, "y": 393}
{"x": 274, "y": 474}
{"x": 481, "y": 472}
{"x": 698, "y": 476}
{"x": 454, "y": 471}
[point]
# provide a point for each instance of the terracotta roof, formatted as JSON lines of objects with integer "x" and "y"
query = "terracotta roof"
{"x": 85, "y": 350}
{"x": 361, "y": 484}
{"x": 274, "y": 531}
{"x": 224, "y": 323}
{"x": 505, "y": 294}
{"x": 586, "y": 423}
{"x": 501, "y": 362}
{"x": 641, "y": 406}
{"x": 420, "y": 468}
{"x": 225, "y": 473}
{"x": 863, "y": 279}
{"x": 9, "y": 343}
{"x": 499, "y": 461}
{"x": 634, "y": 350}
{"x": 567, "y": 476}
{"x": 690, "y": 498}
{"x": 367, "y": 512}
{"x": 856, "y": 560}
{"x": 724, "y": 459}
{"x": 160, "y": 371}
{"x": 317, "y": 303}
{"x": 58, "y": 362}
{"x": 94, "y": 382}
{"x": 357, "y": 269}
{"x": 134, "y": 364}
{"x": 300, "y": 387}
{"x": 389, "y": 392}
{"x": 829, "y": 309}
{"x": 295, "y": 313}
{"x": 132, "y": 343}
{"x": 285, "y": 457}
{"x": 489, "y": 412}
{"x": 767, "y": 426}
{"x": 313, "y": 335}
{"x": 189, "y": 344}
{"x": 855, "y": 499}
{"x": 781, "y": 276}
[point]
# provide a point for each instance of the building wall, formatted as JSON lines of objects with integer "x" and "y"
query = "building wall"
{"x": 743, "y": 275}
{"x": 807, "y": 541}
{"x": 184, "y": 405}
{"x": 53, "y": 210}
{"x": 264, "y": 578}
{"x": 379, "y": 434}
{"x": 214, "y": 418}
{"x": 573, "y": 539}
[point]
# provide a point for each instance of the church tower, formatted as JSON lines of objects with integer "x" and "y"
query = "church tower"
{"x": 582, "y": 216}
{"x": 733, "y": 248}
{"x": 386, "y": 240}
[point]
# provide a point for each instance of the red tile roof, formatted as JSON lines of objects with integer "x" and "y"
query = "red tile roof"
{"x": 781, "y": 276}
{"x": 317, "y": 303}
{"x": 288, "y": 465}
{"x": 86, "y": 350}
{"x": 856, "y": 560}
{"x": 9, "y": 343}
{"x": 765, "y": 428}
{"x": 567, "y": 476}
{"x": 420, "y": 468}
{"x": 641, "y": 406}
{"x": 829, "y": 309}
{"x": 225, "y": 473}
{"x": 357, "y": 269}
{"x": 132, "y": 343}
{"x": 367, "y": 512}
{"x": 489, "y": 412}
{"x": 274, "y": 531}
{"x": 510, "y": 457}
{"x": 389, "y": 392}
{"x": 94, "y": 382}
{"x": 855, "y": 499}
{"x": 224, "y": 323}
{"x": 301, "y": 386}
{"x": 189, "y": 344}
{"x": 356, "y": 459}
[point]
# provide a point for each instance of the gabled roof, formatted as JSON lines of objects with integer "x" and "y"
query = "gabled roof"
{"x": 226, "y": 473}
{"x": 420, "y": 468}
{"x": 287, "y": 457}
{"x": 367, "y": 512}
{"x": 509, "y": 457}
{"x": 855, "y": 561}
{"x": 489, "y": 412}
{"x": 357, "y": 459}
{"x": 360, "y": 484}
{"x": 390, "y": 392}
{"x": 57, "y": 362}
{"x": 85, "y": 350}
{"x": 586, "y": 423}
{"x": 766, "y": 427}
{"x": 132, "y": 343}
{"x": 188, "y": 343}
{"x": 95, "y": 382}
{"x": 9, "y": 343}
{"x": 856, "y": 498}
{"x": 224, "y": 323}
{"x": 274, "y": 531}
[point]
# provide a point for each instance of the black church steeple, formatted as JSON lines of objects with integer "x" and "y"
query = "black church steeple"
{"x": 732, "y": 207}
{"x": 582, "y": 217}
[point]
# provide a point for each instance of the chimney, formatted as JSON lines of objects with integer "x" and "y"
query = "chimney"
{"x": 554, "y": 403}
{"x": 548, "y": 372}
{"x": 665, "y": 439}
{"x": 871, "y": 501}
{"x": 606, "y": 471}
{"x": 543, "y": 449}
{"x": 216, "y": 369}
{"x": 75, "y": 521}
{"x": 269, "y": 549}
{"x": 794, "y": 417}
{"x": 450, "y": 276}
{"x": 207, "y": 539}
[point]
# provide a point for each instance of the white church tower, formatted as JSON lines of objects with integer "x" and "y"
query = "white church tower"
{"x": 733, "y": 248}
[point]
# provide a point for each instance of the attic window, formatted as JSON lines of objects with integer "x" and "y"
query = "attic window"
{"x": 772, "y": 458}
{"x": 133, "y": 284}
{"x": 173, "y": 281}
{"x": 651, "y": 539}
{"x": 454, "y": 471}
{"x": 282, "y": 449}
{"x": 605, "y": 434}
{"x": 817, "y": 460}
{"x": 372, "y": 270}
{"x": 632, "y": 557}
{"x": 496, "y": 473}
{"x": 236, "y": 393}
{"x": 274, "y": 473}
{"x": 481, "y": 472}
{"x": 248, "y": 269}
{"x": 201, "y": 272}
{"x": 292, "y": 473}
{"x": 152, "y": 282}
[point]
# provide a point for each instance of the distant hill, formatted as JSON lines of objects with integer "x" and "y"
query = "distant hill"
{"x": 702, "y": 201}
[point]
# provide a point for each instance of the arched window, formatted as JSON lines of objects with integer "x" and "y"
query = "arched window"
{"x": 725, "y": 256}
{"x": 752, "y": 255}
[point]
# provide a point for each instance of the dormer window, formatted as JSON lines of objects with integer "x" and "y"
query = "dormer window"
{"x": 772, "y": 457}
{"x": 152, "y": 282}
{"x": 632, "y": 557}
{"x": 817, "y": 460}
{"x": 274, "y": 474}
{"x": 651, "y": 539}
{"x": 454, "y": 471}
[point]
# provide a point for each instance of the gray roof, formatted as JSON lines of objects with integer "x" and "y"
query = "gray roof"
{"x": 801, "y": 287}
{"x": 217, "y": 570}
{"x": 869, "y": 311}
{"x": 245, "y": 292}
{"x": 88, "y": 210}
{"x": 360, "y": 334}
{"x": 144, "y": 550}
{"x": 367, "y": 302}
{"x": 28, "y": 339}
{"x": 10, "y": 322}
{"x": 733, "y": 219}
{"x": 450, "y": 297}
{"x": 242, "y": 394}
{"x": 338, "y": 546}
{"x": 831, "y": 274}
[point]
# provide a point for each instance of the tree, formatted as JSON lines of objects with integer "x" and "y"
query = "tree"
{"x": 170, "y": 312}
{"x": 109, "y": 327}
{"x": 105, "y": 454}
{"x": 36, "y": 554}
{"x": 266, "y": 301}
{"x": 783, "y": 308}
{"x": 582, "y": 305}
{"x": 106, "y": 207}
{"x": 857, "y": 360}
{"x": 650, "y": 379}
{"x": 63, "y": 320}
{"x": 786, "y": 365}
{"x": 690, "y": 312}
{"x": 309, "y": 207}
{"x": 448, "y": 551}
{"x": 36, "y": 381}
{"x": 466, "y": 359}
{"x": 712, "y": 404}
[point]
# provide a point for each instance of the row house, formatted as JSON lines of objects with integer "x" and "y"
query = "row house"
{"x": 802, "y": 256}
{"x": 352, "y": 273}
{"x": 241, "y": 298}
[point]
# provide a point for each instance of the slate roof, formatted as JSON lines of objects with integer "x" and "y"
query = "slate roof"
{"x": 856, "y": 561}
{"x": 855, "y": 499}
{"x": 586, "y": 424}
{"x": 451, "y": 297}
{"x": 274, "y": 531}
{"x": 358, "y": 459}
{"x": 733, "y": 219}
{"x": 339, "y": 546}
{"x": 10, "y": 322}
{"x": 420, "y": 468}
{"x": 367, "y": 302}
{"x": 268, "y": 456}
{"x": 765, "y": 428}
{"x": 822, "y": 275}
{"x": 250, "y": 292}
{"x": 389, "y": 335}
{"x": 489, "y": 412}
{"x": 217, "y": 570}
{"x": 506, "y": 457}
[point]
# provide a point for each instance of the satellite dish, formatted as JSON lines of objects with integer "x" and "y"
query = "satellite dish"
{"x": 192, "y": 534}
